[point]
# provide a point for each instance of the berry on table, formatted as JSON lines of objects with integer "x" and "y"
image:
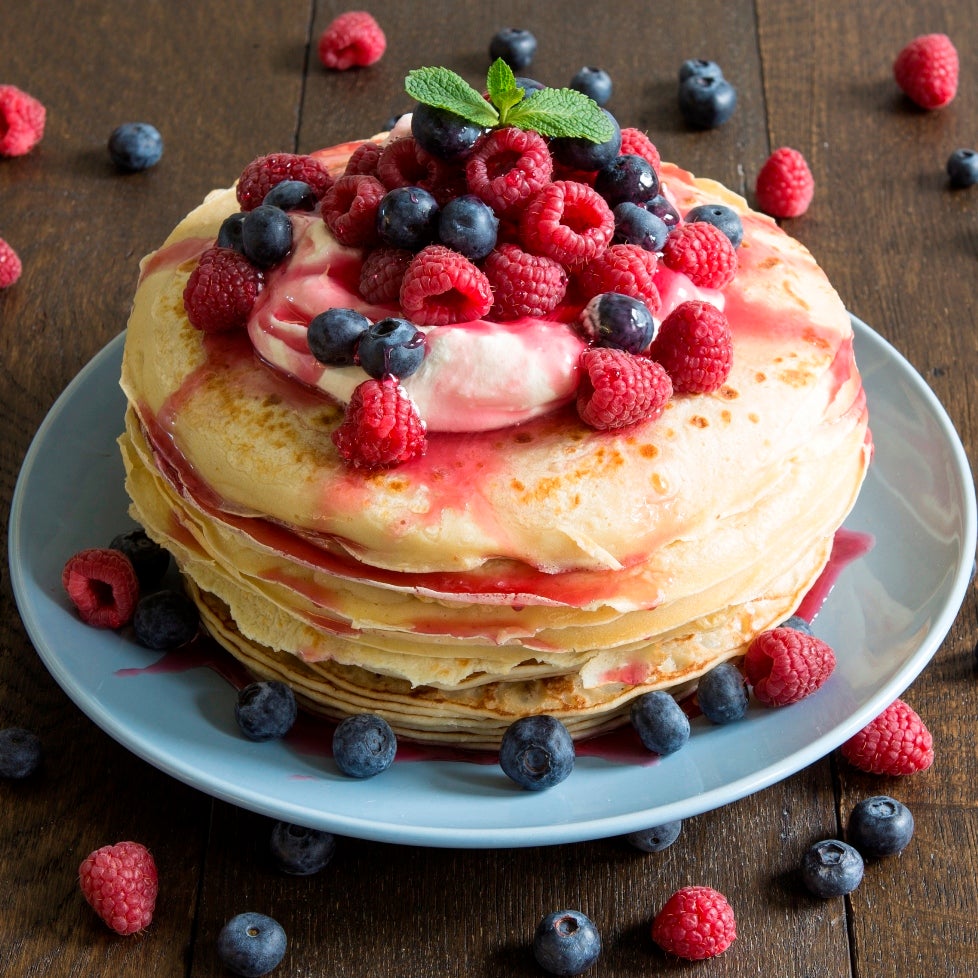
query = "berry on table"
{"x": 20, "y": 753}
{"x": 352, "y": 40}
{"x": 515, "y": 45}
{"x": 469, "y": 226}
{"x": 703, "y": 253}
{"x": 381, "y": 427}
{"x": 442, "y": 287}
{"x": 265, "y": 710}
{"x": 22, "y": 119}
{"x": 266, "y": 235}
{"x": 523, "y": 284}
{"x": 706, "y": 99}
{"x": 299, "y": 851}
{"x": 896, "y": 742}
{"x": 831, "y": 868}
{"x": 251, "y": 944}
{"x": 784, "y": 665}
{"x": 593, "y": 82}
{"x": 695, "y": 347}
{"x": 264, "y": 172}
{"x": 962, "y": 168}
{"x": 880, "y": 826}
{"x": 656, "y": 838}
{"x": 333, "y": 336}
{"x": 165, "y": 620}
{"x": 615, "y": 320}
{"x": 135, "y": 146}
{"x": 221, "y": 291}
{"x": 364, "y": 745}
{"x": 722, "y": 694}
{"x": 618, "y": 389}
{"x": 566, "y": 942}
{"x": 407, "y": 217}
{"x": 537, "y": 752}
{"x": 442, "y": 133}
{"x": 926, "y": 70}
{"x": 628, "y": 177}
{"x": 102, "y": 585}
{"x": 698, "y": 66}
{"x": 723, "y": 217}
{"x": 120, "y": 883}
{"x": 785, "y": 185}
{"x": 660, "y": 722}
{"x": 696, "y": 923}
{"x": 10, "y": 265}
{"x": 391, "y": 347}
{"x": 149, "y": 560}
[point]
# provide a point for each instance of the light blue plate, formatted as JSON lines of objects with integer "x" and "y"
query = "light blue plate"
{"x": 886, "y": 617}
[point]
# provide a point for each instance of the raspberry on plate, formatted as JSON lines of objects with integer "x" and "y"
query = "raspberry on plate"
{"x": 567, "y": 221}
{"x": 441, "y": 287}
{"x": 507, "y": 166}
{"x": 102, "y": 585}
{"x": 382, "y": 426}
{"x": 695, "y": 347}
{"x": 350, "y": 208}
{"x": 382, "y": 273}
{"x": 10, "y": 265}
{"x": 696, "y": 923}
{"x": 22, "y": 120}
{"x": 627, "y": 269}
{"x": 221, "y": 291}
{"x": 703, "y": 253}
{"x": 897, "y": 742}
{"x": 927, "y": 70}
{"x": 785, "y": 185}
{"x": 785, "y": 665}
{"x": 120, "y": 882}
{"x": 523, "y": 284}
{"x": 353, "y": 40}
{"x": 265, "y": 172}
{"x": 619, "y": 389}
{"x": 637, "y": 143}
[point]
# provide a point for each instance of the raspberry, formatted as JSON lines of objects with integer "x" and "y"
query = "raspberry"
{"x": 785, "y": 665}
{"x": 703, "y": 253}
{"x": 102, "y": 585}
{"x": 350, "y": 209}
{"x": 403, "y": 163}
{"x": 10, "y": 266}
{"x": 120, "y": 882}
{"x": 352, "y": 40}
{"x": 619, "y": 389}
{"x": 696, "y": 923}
{"x": 636, "y": 142}
{"x": 623, "y": 268}
{"x": 263, "y": 173}
{"x": 21, "y": 121}
{"x": 569, "y": 222}
{"x": 507, "y": 167}
{"x": 523, "y": 284}
{"x": 381, "y": 427}
{"x": 896, "y": 742}
{"x": 221, "y": 291}
{"x": 927, "y": 70}
{"x": 785, "y": 185}
{"x": 363, "y": 160}
{"x": 441, "y": 287}
{"x": 694, "y": 347}
{"x": 382, "y": 273}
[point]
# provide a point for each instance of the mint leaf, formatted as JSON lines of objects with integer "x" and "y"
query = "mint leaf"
{"x": 562, "y": 112}
{"x": 502, "y": 88}
{"x": 443, "y": 89}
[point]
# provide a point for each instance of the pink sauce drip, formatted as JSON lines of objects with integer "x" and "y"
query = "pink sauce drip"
{"x": 173, "y": 255}
{"x": 847, "y": 546}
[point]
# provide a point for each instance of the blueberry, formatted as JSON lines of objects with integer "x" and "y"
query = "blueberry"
{"x": 627, "y": 178}
{"x": 333, "y": 336}
{"x": 722, "y": 694}
{"x": 407, "y": 218}
{"x": 660, "y": 722}
{"x": 529, "y": 85}
{"x": 831, "y": 868}
{"x": 266, "y": 235}
{"x": 636, "y": 226}
{"x": 537, "y": 752}
{"x": 595, "y": 83}
{"x": 265, "y": 710}
{"x": 515, "y": 46}
{"x": 149, "y": 560}
{"x": 720, "y": 216}
{"x": 698, "y": 66}
{"x": 291, "y": 195}
{"x": 798, "y": 623}
{"x": 299, "y": 851}
{"x": 165, "y": 620}
{"x": 391, "y": 346}
{"x": 707, "y": 100}
{"x": 582, "y": 154}
{"x": 566, "y": 943}
{"x": 880, "y": 826}
{"x": 442, "y": 133}
{"x": 469, "y": 226}
{"x": 135, "y": 146}
{"x": 364, "y": 745}
{"x": 962, "y": 168}
{"x": 657, "y": 838}
{"x": 664, "y": 211}
{"x": 229, "y": 233}
{"x": 20, "y": 753}
{"x": 619, "y": 321}
{"x": 251, "y": 944}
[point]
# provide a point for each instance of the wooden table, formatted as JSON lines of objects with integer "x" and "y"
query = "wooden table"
{"x": 227, "y": 82}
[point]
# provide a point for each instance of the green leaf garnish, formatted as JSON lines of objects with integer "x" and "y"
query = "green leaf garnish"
{"x": 443, "y": 89}
{"x": 562, "y": 112}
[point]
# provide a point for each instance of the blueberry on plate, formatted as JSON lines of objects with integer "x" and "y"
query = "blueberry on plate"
{"x": 364, "y": 745}
{"x": 229, "y": 233}
{"x": 657, "y": 838}
{"x": 798, "y": 623}
{"x": 469, "y": 226}
{"x": 706, "y": 100}
{"x": 407, "y": 217}
{"x": 660, "y": 722}
{"x": 20, "y": 753}
{"x": 391, "y": 347}
{"x": 165, "y": 620}
{"x": 619, "y": 321}
{"x": 880, "y": 826}
{"x": 442, "y": 133}
{"x": 962, "y": 168}
{"x": 627, "y": 178}
{"x": 537, "y": 752}
{"x": 251, "y": 944}
{"x": 299, "y": 851}
{"x": 266, "y": 235}
{"x": 720, "y": 216}
{"x": 831, "y": 868}
{"x": 582, "y": 154}
{"x": 566, "y": 942}
{"x": 722, "y": 694}
{"x": 514, "y": 45}
{"x": 636, "y": 225}
{"x": 135, "y": 146}
{"x": 595, "y": 83}
{"x": 333, "y": 336}
{"x": 149, "y": 560}
{"x": 265, "y": 710}
{"x": 291, "y": 195}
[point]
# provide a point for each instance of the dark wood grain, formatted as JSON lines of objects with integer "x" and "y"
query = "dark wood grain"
{"x": 227, "y": 82}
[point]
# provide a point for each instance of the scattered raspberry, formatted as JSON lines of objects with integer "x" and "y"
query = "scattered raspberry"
{"x": 695, "y": 347}
{"x": 619, "y": 389}
{"x": 896, "y": 742}
{"x": 785, "y": 665}
{"x": 10, "y": 266}
{"x": 403, "y": 163}
{"x": 441, "y": 287}
{"x": 263, "y": 173}
{"x": 221, "y": 291}
{"x": 120, "y": 883}
{"x": 569, "y": 222}
{"x": 382, "y": 273}
{"x": 927, "y": 70}
{"x": 507, "y": 166}
{"x": 352, "y": 40}
{"x": 349, "y": 209}
{"x": 381, "y": 428}
{"x": 21, "y": 121}
{"x": 102, "y": 585}
{"x": 696, "y": 923}
{"x": 785, "y": 185}
{"x": 363, "y": 160}
{"x": 635, "y": 142}
{"x": 703, "y": 253}
{"x": 623, "y": 268}
{"x": 523, "y": 284}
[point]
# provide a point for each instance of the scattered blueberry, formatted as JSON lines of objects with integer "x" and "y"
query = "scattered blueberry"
{"x": 595, "y": 83}
{"x": 660, "y": 722}
{"x": 582, "y": 154}
{"x": 364, "y": 745}
{"x": 831, "y": 868}
{"x": 299, "y": 851}
{"x": 266, "y": 235}
{"x": 962, "y": 168}
{"x": 627, "y": 178}
{"x": 442, "y": 133}
{"x": 20, "y": 753}
{"x": 229, "y": 233}
{"x": 698, "y": 66}
{"x": 165, "y": 620}
{"x": 468, "y": 225}
{"x": 637, "y": 226}
{"x": 291, "y": 195}
{"x": 619, "y": 321}
{"x": 391, "y": 346}
{"x": 265, "y": 710}
{"x": 333, "y": 336}
{"x": 537, "y": 752}
{"x": 799, "y": 624}
{"x": 566, "y": 943}
{"x": 721, "y": 216}
{"x": 664, "y": 211}
{"x": 880, "y": 826}
{"x": 722, "y": 694}
{"x": 514, "y": 45}
{"x": 135, "y": 146}
{"x": 706, "y": 100}
{"x": 251, "y": 944}
{"x": 149, "y": 560}
{"x": 657, "y": 838}
{"x": 407, "y": 218}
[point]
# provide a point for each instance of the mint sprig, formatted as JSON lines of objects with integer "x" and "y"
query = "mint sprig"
{"x": 555, "y": 112}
